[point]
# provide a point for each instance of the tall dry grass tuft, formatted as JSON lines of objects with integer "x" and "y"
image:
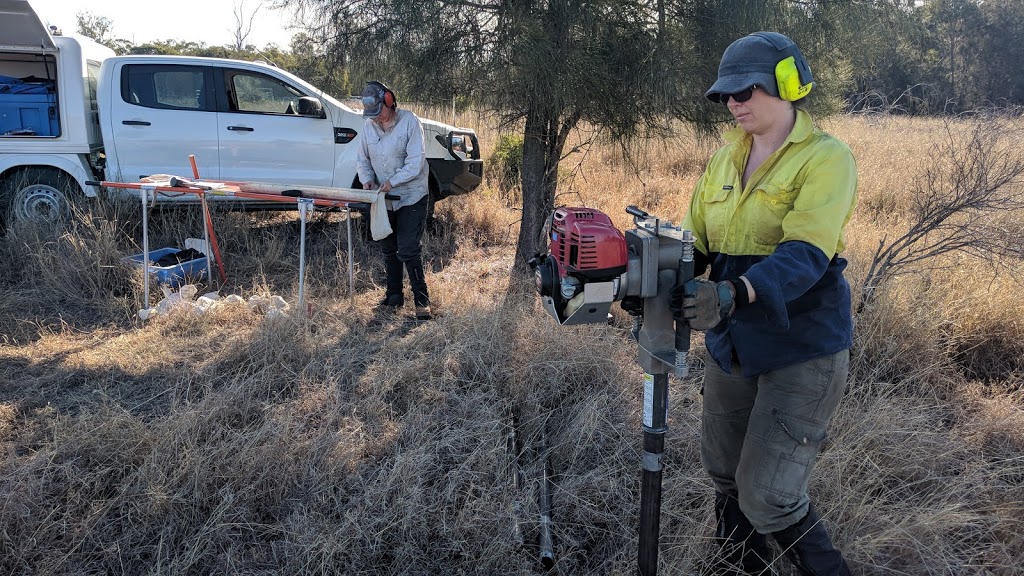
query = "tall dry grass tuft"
{"x": 376, "y": 451}
{"x": 913, "y": 490}
{"x": 335, "y": 440}
{"x": 57, "y": 274}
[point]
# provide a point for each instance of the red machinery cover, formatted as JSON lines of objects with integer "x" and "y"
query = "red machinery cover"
{"x": 585, "y": 243}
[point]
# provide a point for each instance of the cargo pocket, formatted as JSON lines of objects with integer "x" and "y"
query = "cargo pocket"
{"x": 793, "y": 446}
{"x": 773, "y": 203}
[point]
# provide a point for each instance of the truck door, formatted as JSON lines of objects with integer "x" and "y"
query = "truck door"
{"x": 263, "y": 138}
{"x": 164, "y": 113}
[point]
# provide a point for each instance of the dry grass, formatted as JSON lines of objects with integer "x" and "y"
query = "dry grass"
{"x": 232, "y": 443}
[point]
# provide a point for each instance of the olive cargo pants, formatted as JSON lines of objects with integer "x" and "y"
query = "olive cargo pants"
{"x": 761, "y": 435}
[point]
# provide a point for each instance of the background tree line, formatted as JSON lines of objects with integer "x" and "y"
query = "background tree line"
{"x": 622, "y": 69}
{"x": 936, "y": 56}
{"x": 303, "y": 57}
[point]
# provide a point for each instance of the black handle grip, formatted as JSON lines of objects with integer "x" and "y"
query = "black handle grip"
{"x": 240, "y": 128}
{"x": 633, "y": 210}
{"x": 685, "y": 275}
{"x": 92, "y": 182}
{"x": 135, "y": 123}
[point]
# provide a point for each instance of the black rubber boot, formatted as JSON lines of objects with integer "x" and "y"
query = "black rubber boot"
{"x": 418, "y": 280}
{"x": 393, "y": 297}
{"x": 391, "y": 302}
{"x": 808, "y": 546}
{"x": 742, "y": 550}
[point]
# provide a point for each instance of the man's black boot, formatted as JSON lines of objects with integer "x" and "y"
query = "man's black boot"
{"x": 421, "y": 297}
{"x": 391, "y": 301}
{"x": 393, "y": 297}
{"x": 809, "y": 547}
{"x": 742, "y": 550}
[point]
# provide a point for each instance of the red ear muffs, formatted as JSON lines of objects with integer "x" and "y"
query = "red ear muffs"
{"x": 384, "y": 93}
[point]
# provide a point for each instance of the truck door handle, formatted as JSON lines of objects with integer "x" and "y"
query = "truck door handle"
{"x": 240, "y": 128}
{"x": 135, "y": 123}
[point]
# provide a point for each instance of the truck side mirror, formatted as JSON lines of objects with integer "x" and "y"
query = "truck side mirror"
{"x": 309, "y": 106}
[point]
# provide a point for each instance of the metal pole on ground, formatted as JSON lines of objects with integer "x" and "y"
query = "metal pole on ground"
{"x": 547, "y": 547}
{"x": 514, "y": 451}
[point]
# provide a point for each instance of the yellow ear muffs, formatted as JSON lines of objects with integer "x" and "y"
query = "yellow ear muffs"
{"x": 791, "y": 86}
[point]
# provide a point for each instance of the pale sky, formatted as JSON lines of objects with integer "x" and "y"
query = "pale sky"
{"x": 141, "y": 21}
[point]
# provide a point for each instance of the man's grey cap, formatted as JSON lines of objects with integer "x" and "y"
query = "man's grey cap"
{"x": 373, "y": 101}
{"x": 751, "y": 61}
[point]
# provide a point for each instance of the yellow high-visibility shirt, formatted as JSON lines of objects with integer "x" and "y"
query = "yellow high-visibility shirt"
{"x": 783, "y": 232}
{"x": 806, "y": 190}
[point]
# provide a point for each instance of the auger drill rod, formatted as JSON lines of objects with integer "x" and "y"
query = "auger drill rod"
{"x": 654, "y": 426}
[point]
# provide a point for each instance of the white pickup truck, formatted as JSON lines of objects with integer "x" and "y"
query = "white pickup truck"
{"x": 71, "y": 111}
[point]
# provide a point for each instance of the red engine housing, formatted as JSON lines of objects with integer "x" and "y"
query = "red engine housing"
{"x": 586, "y": 244}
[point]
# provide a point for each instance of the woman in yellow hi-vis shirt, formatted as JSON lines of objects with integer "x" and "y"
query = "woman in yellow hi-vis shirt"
{"x": 768, "y": 216}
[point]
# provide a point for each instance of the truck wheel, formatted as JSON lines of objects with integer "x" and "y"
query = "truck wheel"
{"x": 38, "y": 194}
{"x": 432, "y": 197}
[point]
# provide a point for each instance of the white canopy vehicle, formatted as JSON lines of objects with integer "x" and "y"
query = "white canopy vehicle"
{"x": 71, "y": 111}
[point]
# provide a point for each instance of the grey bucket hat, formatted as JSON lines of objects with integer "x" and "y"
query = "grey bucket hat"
{"x": 751, "y": 61}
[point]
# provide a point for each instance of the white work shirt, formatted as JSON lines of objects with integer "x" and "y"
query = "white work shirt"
{"x": 397, "y": 156}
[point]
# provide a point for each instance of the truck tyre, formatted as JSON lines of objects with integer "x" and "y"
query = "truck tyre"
{"x": 37, "y": 194}
{"x": 432, "y": 197}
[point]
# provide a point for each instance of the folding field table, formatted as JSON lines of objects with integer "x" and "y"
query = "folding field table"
{"x": 304, "y": 197}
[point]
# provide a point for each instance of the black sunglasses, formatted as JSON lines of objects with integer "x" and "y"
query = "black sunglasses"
{"x": 741, "y": 96}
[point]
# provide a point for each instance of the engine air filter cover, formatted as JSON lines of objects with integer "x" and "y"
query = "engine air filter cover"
{"x": 586, "y": 244}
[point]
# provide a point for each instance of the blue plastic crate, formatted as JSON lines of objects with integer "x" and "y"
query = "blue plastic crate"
{"x": 29, "y": 115}
{"x": 173, "y": 276}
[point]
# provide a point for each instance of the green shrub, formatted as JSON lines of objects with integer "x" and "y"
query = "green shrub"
{"x": 506, "y": 163}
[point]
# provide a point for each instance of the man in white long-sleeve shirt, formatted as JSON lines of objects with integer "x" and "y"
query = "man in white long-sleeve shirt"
{"x": 391, "y": 159}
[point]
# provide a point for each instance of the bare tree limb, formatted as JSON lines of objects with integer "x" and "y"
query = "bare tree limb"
{"x": 973, "y": 179}
{"x": 243, "y": 27}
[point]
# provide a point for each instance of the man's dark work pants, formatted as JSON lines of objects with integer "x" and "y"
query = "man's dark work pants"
{"x": 402, "y": 247}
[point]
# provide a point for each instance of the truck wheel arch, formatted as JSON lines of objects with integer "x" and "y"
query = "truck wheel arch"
{"x": 37, "y": 193}
{"x": 433, "y": 196}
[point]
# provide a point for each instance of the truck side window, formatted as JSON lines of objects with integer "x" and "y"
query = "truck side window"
{"x": 259, "y": 93}
{"x": 167, "y": 87}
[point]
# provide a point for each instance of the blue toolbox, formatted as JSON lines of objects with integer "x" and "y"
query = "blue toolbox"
{"x": 28, "y": 107}
{"x": 173, "y": 275}
{"x": 29, "y": 115}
